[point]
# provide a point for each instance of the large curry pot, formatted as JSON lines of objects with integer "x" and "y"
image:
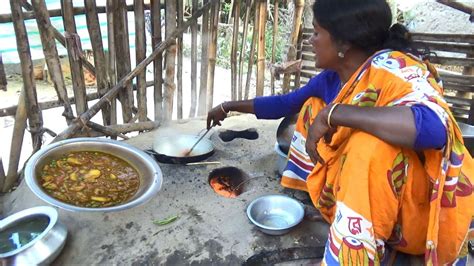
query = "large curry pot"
{"x": 150, "y": 173}
{"x": 173, "y": 149}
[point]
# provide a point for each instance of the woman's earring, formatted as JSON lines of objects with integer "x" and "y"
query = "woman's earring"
{"x": 340, "y": 54}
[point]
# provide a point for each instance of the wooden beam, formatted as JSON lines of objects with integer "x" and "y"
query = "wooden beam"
{"x": 4, "y": 18}
{"x": 275, "y": 31}
{"x": 252, "y": 50}
{"x": 122, "y": 49}
{"x": 111, "y": 55}
{"x": 202, "y": 106}
{"x": 459, "y": 6}
{"x": 158, "y": 62}
{"x": 179, "y": 54}
{"x": 73, "y": 45}
{"x": 140, "y": 55}
{"x": 194, "y": 28}
{"x": 243, "y": 49}
{"x": 261, "y": 47}
{"x": 74, "y": 127}
{"x": 170, "y": 86}
{"x": 23, "y": 47}
{"x": 233, "y": 52}
{"x": 212, "y": 53}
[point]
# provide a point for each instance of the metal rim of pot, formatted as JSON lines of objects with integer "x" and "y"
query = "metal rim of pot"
{"x": 162, "y": 153}
{"x": 53, "y": 237}
{"x": 151, "y": 191}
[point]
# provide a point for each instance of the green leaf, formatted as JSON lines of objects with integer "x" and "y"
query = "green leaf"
{"x": 166, "y": 220}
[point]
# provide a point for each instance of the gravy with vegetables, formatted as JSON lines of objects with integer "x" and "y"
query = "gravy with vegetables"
{"x": 90, "y": 179}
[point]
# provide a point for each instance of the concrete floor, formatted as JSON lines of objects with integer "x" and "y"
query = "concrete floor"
{"x": 210, "y": 230}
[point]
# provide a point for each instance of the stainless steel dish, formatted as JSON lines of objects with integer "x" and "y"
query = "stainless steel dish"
{"x": 44, "y": 247}
{"x": 275, "y": 214}
{"x": 173, "y": 149}
{"x": 150, "y": 174}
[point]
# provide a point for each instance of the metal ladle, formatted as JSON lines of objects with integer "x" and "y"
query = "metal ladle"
{"x": 200, "y": 138}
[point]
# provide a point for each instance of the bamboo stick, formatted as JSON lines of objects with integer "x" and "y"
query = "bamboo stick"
{"x": 299, "y": 55}
{"x": 158, "y": 63}
{"x": 131, "y": 127}
{"x": 95, "y": 34}
{"x": 299, "y": 6}
{"x": 194, "y": 27}
{"x": 17, "y": 142}
{"x": 23, "y": 48}
{"x": 275, "y": 31}
{"x": 77, "y": 125}
{"x": 51, "y": 56}
{"x": 122, "y": 50}
{"x": 243, "y": 48}
{"x": 170, "y": 86}
{"x": 73, "y": 45}
{"x": 202, "y": 107}
{"x": 11, "y": 110}
{"x": 111, "y": 69}
{"x": 62, "y": 40}
{"x": 463, "y": 7}
{"x": 252, "y": 50}
{"x": 212, "y": 54}
{"x": 261, "y": 48}
{"x": 140, "y": 49}
{"x": 107, "y": 131}
{"x": 4, "y": 18}
{"x": 233, "y": 52}
{"x": 179, "y": 74}
{"x": 3, "y": 76}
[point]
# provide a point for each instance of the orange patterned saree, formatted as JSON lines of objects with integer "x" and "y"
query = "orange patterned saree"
{"x": 375, "y": 194}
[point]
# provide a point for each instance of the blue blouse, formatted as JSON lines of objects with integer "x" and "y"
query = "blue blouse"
{"x": 431, "y": 133}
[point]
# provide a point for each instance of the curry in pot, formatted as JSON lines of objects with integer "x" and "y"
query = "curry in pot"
{"x": 90, "y": 179}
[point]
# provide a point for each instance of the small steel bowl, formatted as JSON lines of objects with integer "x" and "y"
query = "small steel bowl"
{"x": 275, "y": 214}
{"x": 41, "y": 249}
{"x": 148, "y": 170}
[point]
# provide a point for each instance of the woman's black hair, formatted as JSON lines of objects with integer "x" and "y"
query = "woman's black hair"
{"x": 365, "y": 24}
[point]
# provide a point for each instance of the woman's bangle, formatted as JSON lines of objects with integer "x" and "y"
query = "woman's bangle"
{"x": 330, "y": 113}
{"x": 222, "y": 108}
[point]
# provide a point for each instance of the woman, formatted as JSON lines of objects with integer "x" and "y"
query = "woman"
{"x": 374, "y": 179}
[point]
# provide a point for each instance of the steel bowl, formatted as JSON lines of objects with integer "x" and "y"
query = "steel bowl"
{"x": 44, "y": 247}
{"x": 150, "y": 174}
{"x": 275, "y": 214}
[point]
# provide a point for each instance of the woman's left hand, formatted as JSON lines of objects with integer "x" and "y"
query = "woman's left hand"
{"x": 319, "y": 129}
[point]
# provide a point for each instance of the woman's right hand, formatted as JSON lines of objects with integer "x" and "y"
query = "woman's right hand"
{"x": 216, "y": 115}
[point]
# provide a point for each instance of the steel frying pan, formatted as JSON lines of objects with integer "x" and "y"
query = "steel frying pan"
{"x": 173, "y": 149}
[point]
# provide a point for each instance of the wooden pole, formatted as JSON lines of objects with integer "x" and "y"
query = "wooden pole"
{"x": 202, "y": 108}
{"x": 51, "y": 56}
{"x": 3, "y": 76}
{"x": 77, "y": 125}
{"x": 233, "y": 52}
{"x": 122, "y": 50}
{"x": 58, "y": 12}
{"x": 23, "y": 47}
{"x": 111, "y": 59}
{"x": 194, "y": 28}
{"x": 100, "y": 63}
{"x": 275, "y": 32}
{"x": 170, "y": 60}
{"x": 261, "y": 48}
{"x": 73, "y": 45}
{"x": 212, "y": 54}
{"x": 252, "y": 50}
{"x": 299, "y": 6}
{"x": 243, "y": 48}
{"x": 61, "y": 39}
{"x": 158, "y": 63}
{"x": 179, "y": 74}
{"x": 140, "y": 49}
{"x": 17, "y": 142}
